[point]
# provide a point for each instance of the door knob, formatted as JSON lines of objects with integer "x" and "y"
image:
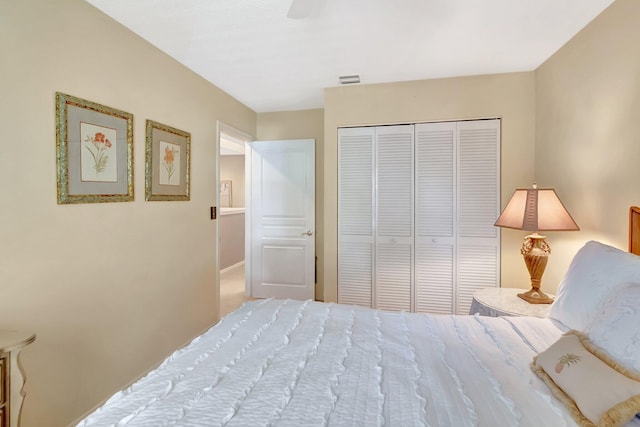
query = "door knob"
{"x": 308, "y": 233}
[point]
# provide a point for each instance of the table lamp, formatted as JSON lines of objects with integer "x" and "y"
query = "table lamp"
{"x": 536, "y": 209}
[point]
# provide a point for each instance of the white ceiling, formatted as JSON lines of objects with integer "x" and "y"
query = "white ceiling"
{"x": 251, "y": 50}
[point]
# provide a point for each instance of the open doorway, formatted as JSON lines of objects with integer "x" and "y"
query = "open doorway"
{"x": 231, "y": 219}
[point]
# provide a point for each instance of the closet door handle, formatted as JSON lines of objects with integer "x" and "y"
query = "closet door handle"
{"x": 308, "y": 233}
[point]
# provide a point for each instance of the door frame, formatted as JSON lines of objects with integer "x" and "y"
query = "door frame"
{"x": 224, "y": 128}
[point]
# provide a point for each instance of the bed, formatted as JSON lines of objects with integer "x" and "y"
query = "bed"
{"x": 304, "y": 363}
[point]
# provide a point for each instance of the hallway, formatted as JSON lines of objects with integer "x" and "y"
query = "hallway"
{"x": 232, "y": 289}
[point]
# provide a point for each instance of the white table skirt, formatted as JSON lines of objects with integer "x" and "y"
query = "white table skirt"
{"x": 477, "y": 308}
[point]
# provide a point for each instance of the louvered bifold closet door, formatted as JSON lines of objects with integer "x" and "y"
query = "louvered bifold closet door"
{"x": 394, "y": 218}
{"x": 478, "y": 244}
{"x": 435, "y": 217}
{"x": 355, "y": 215}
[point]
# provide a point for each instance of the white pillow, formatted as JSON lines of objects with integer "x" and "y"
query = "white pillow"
{"x": 596, "y": 270}
{"x": 616, "y": 326}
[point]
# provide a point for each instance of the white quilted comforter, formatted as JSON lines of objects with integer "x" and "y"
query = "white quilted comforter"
{"x": 290, "y": 363}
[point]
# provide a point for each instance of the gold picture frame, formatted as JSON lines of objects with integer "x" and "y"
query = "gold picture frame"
{"x": 94, "y": 152}
{"x": 167, "y": 163}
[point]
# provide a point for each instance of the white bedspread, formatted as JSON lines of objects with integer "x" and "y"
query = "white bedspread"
{"x": 290, "y": 363}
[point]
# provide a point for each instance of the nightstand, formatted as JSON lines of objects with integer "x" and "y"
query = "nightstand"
{"x": 505, "y": 302}
{"x": 11, "y": 376}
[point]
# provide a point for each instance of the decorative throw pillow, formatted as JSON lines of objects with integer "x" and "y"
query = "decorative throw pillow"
{"x": 596, "y": 270}
{"x": 615, "y": 327}
{"x": 593, "y": 387}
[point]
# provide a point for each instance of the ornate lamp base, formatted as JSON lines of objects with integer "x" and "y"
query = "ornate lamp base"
{"x": 535, "y": 250}
{"x": 536, "y": 296}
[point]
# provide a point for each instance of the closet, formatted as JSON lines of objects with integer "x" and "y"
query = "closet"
{"x": 416, "y": 208}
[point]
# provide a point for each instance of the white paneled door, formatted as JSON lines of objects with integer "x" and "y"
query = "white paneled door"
{"x": 280, "y": 214}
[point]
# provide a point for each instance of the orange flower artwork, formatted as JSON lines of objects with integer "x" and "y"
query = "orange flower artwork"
{"x": 169, "y": 161}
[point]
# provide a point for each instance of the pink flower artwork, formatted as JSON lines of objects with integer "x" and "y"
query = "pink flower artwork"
{"x": 99, "y": 151}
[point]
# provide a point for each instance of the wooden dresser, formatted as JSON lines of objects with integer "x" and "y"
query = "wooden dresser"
{"x": 11, "y": 376}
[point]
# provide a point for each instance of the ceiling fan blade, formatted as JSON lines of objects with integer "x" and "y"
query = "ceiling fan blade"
{"x": 300, "y": 9}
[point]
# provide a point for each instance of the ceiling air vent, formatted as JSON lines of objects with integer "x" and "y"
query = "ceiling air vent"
{"x": 347, "y": 80}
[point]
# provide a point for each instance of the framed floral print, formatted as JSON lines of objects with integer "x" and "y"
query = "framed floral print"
{"x": 167, "y": 162}
{"x": 94, "y": 150}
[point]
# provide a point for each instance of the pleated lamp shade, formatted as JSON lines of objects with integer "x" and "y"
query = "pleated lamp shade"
{"x": 536, "y": 209}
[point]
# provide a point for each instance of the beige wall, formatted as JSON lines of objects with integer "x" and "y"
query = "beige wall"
{"x": 231, "y": 239}
{"x": 304, "y": 124}
{"x": 507, "y": 96}
{"x": 588, "y": 131}
{"x": 232, "y": 168}
{"x": 110, "y": 289}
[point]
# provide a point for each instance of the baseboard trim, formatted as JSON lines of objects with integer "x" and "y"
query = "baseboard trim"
{"x": 231, "y": 267}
